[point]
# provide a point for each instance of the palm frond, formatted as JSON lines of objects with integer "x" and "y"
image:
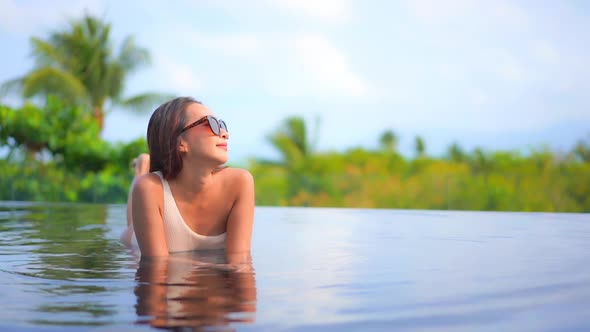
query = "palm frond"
{"x": 47, "y": 54}
{"x": 289, "y": 150}
{"x": 144, "y": 102}
{"x": 296, "y": 130}
{"x": 49, "y": 80}
{"x": 131, "y": 56}
{"x": 292, "y": 141}
{"x": 11, "y": 86}
{"x": 113, "y": 83}
{"x": 266, "y": 162}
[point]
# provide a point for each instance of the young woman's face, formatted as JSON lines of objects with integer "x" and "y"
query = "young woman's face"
{"x": 199, "y": 142}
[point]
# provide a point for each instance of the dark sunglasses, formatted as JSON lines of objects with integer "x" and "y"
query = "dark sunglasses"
{"x": 214, "y": 124}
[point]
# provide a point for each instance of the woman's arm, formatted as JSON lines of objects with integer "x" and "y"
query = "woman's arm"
{"x": 127, "y": 234}
{"x": 147, "y": 198}
{"x": 141, "y": 166}
{"x": 241, "y": 219}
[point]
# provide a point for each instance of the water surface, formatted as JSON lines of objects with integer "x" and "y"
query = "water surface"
{"x": 63, "y": 268}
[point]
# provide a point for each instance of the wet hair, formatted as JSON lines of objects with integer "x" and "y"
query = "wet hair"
{"x": 164, "y": 129}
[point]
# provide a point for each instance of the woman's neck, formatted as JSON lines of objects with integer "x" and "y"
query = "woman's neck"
{"x": 194, "y": 180}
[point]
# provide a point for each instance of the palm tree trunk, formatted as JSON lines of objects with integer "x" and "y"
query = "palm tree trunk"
{"x": 98, "y": 115}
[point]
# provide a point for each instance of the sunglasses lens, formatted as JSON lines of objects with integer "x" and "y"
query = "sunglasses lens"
{"x": 223, "y": 125}
{"x": 213, "y": 124}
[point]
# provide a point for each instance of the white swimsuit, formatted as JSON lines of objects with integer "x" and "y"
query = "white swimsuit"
{"x": 179, "y": 237}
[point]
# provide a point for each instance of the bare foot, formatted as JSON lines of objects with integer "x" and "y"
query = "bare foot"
{"x": 141, "y": 164}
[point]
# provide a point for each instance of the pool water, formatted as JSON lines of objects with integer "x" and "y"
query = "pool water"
{"x": 62, "y": 268}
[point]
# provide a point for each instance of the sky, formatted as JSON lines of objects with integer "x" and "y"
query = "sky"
{"x": 500, "y": 75}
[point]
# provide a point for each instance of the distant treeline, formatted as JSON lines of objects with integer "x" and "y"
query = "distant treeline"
{"x": 55, "y": 153}
{"x": 499, "y": 181}
{"x": 478, "y": 180}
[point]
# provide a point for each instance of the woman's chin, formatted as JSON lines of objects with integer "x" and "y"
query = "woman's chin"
{"x": 222, "y": 158}
{"x": 217, "y": 158}
{"x": 223, "y": 161}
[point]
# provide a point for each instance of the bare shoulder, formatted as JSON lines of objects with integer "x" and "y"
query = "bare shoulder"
{"x": 236, "y": 175}
{"x": 148, "y": 183}
{"x": 147, "y": 199}
{"x": 239, "y": 180}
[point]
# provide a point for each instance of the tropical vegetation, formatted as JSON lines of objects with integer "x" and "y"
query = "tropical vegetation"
{"x": 52, "y": 154}
{"x": 479, "y": 180}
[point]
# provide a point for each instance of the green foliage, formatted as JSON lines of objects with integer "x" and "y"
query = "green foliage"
{"x": 455, "y": 153}
{"x": 293, "y": 143}
{"x": 582, "y": 151}
{"x": 38, "y": 181}
{"x": 420, "y": 147}
{"x": 61, "y": 158}
{"x": 388, "y": 141}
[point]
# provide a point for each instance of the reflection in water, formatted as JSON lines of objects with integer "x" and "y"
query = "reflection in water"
{"x": 195, "y": 289}
{"x": 61, "y": 255}
{"x": 68, "y": 242}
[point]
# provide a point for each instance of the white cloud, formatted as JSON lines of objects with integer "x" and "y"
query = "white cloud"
{"x": 546, "y": 53}
{"x": 331, "y": 11}
{"x": 437, "y": 11}
{"x": 323, "y": 70}
{"x": 31, "y": 16}
{"x": 239, "y": 45}
{"x": 478, "y": 97}
{"x": 509, "y": 13}
{"x": 176, "y": 76}
{"x": 507, "y": 66}
{"x": 481, "y": 13}
{"x": 325, "y": 11}
{"x": 235, "y": 44}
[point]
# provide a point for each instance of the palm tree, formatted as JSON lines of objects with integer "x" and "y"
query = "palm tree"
{"x": 292, "y": 141}
{"x": 456, "y": 153}
{"x": 582, "y": 151}
{"x": 481, "y": 162}
{"x": 79, "y": 66}
{"x": 388, "y": 141}
{"x": 420, "y": 146}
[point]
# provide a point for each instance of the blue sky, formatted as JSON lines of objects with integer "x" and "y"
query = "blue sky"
{"x": 510, "y": 75}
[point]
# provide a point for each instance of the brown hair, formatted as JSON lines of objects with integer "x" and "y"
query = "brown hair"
{"x": 164, "y": 128}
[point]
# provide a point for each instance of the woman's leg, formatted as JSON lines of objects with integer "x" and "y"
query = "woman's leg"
{"x": 141, "y": 166}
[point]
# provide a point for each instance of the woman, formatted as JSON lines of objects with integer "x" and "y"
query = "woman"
{"x": 187, "y": 200}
